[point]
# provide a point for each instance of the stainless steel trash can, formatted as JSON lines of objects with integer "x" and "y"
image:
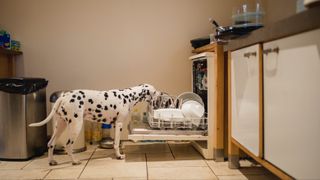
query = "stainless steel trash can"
{"x": 22, "y": 102}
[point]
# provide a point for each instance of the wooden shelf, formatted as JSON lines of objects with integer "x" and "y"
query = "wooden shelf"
{"x": 206, "y": 48}
{"x": 8, "y": 62}
{"x": 9, "y": 52}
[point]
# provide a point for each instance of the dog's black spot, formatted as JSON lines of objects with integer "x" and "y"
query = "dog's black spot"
{"x": 105, "y": 108}
{"x": 89, "y": 109}
{"x": 71, "y": 100}
{"x": 64, "y": 112}
{"x": 68, "y": 142}
{"x": 130, "y": 100}
{"x": 99, "y": 120}
{"x": 120, "y": 129}
{"x": 148, "y": 92}
{"x": 81, "y": 92}
{"x": 99, "y": 115}
{"x": 72, "y": 142}
{"x": 50, "y": 146}
{"x": 74, "y": 96}
{"x": 98, "y": 111}
{"x": 114, "y": 119}
{"x": 70, "y": 120}
{"x": 83, "y": 96}
{"x": 111, "y": 105}
{"x": 117, "y": 113}
{"x": 94, "y": 118}
{"x": 79, "y": 97}
{"x": 124, "y": 101}
{"x": 75, "y": 115}
{"x": 80, "y": 106}
{"x": 81, "y": 102}
{"x": 99, "y": 106}
{"x": 104, "y": 120}
{"x": 90, "y": 101}
{"x": 114, "y": 107}
{"x": 119, "y": 96}
{"x": 114, "y": 93}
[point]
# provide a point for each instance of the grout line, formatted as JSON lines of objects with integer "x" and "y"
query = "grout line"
{"x": 26, "y": 164}
{"x": 145, "y": 154}
{"x": 87, "y": 163}
{"x": 47, "y": 174}
{"x": 210, "y": 168}
{"x": 171, "y": 151}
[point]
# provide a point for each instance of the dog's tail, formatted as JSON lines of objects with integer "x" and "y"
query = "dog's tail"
{"x": 49, "y": 117}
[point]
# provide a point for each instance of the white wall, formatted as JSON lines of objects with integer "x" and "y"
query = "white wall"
{"x": 105, "y": 44}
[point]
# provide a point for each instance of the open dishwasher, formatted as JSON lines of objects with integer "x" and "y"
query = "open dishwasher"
{"x": 176, "y": 119}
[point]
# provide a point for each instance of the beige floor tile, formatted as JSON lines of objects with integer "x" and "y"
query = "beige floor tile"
{"x": 64, "y": 161}
{"x": 185, "y": 151}
{"x": 64, "y": 173}
{"x": 248, "y": 177}
{"x": 13, "y": 164}
{"x": 23, "y": 174}
{"x": 133, "y": 166}
{"x": 221, "y": 168}
{"x": 167, "y": 160}
{"x": 129, "y": 178}
{"x": 147, "y": 148}
{"x": 185, "y": 173}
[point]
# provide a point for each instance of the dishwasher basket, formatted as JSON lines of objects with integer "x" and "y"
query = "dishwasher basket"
{"x": 173, "y": 122}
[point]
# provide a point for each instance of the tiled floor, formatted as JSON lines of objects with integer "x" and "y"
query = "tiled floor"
{"x": 147, "y": 161}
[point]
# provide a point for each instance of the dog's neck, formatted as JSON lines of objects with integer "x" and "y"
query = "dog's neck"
{"x": 137, "y": 94}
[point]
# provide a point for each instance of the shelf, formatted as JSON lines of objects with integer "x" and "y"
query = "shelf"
{"x": 9, "y": 52}
{"x": 207, "y": 48}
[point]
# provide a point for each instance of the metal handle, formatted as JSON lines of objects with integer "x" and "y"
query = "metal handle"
{"x": 274, "y": 50}
{"x": 248, "y": 54}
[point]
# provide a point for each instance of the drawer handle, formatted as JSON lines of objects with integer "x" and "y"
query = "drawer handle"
{"x": 274, "y": 50}
{"x": 248, "y": 54}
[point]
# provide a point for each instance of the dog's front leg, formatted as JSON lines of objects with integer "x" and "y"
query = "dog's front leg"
{"x": 117, "y": 140}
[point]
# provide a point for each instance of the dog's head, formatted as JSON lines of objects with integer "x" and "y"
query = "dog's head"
{"x": 163, "y": 100}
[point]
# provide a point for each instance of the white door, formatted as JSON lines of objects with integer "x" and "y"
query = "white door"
{"x": 292, "y": 104}
{"x": 245, "y": 97}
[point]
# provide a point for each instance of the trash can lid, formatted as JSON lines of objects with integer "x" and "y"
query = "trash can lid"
{"x": 22, "y": 85}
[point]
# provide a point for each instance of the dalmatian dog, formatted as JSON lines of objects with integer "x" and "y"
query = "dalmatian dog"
{"x": 108, "y": 107}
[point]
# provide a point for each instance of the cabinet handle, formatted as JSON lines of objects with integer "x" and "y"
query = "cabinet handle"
{"x": 274, "y": 50}
{"x": 248, "y": 54}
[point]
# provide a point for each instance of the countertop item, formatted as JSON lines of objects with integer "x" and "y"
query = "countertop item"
{"x": 298, "y": 23}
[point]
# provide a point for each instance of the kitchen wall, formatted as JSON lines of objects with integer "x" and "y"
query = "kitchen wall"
{"x": 105, "y": 44}
{"x": 278, "y": 10}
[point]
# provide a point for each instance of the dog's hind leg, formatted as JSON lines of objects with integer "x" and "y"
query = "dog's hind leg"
{"x": 117, "y": 140}
{"x": 74, "y": 129}
{"x": 60, "y": 125}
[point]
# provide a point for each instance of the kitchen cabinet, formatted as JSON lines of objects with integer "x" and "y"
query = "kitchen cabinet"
{"x": 291, "y": 104}
{"x": 245, "y": 126}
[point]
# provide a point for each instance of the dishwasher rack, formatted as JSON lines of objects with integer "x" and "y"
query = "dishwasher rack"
{"x": 153, "y": 129}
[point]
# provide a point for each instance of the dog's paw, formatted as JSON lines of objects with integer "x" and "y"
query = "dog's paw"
{"x": 76, "y": 162}
{"x": 121, "y": 156}
{"x": 53, "y": 163}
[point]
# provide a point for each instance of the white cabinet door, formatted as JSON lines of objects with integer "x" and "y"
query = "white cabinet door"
{"x": 292, "y": 104}
{"x": 245, "y": 97}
